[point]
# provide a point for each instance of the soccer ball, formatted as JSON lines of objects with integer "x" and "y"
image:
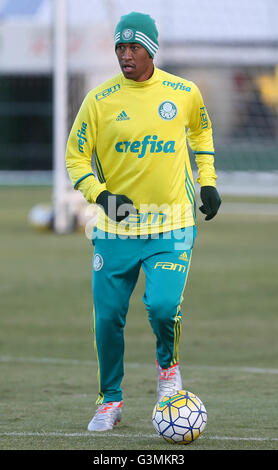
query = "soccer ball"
{"x": 181, "y": 418}
{"x": 41, "y": 217}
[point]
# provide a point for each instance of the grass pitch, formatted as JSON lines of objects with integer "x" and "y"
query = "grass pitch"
{"x": 228, "y": 348}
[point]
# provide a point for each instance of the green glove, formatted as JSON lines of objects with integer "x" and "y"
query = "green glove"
{"x": 211, "y": 201}
{"x": 116, "y": 206}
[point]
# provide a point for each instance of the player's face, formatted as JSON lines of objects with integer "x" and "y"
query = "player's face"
{"x": 135, "y": 61}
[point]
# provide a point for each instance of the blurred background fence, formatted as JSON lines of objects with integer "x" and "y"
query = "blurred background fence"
{"x": 228, "y": 47}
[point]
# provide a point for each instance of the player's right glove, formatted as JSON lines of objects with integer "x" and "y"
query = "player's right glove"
{"x": 211, "y": 201}
{"x": 116, "y": 206}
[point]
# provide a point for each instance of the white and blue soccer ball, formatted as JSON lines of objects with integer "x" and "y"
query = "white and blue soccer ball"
{"x": 181, "y": 418}
{"x": 41, "y": 217}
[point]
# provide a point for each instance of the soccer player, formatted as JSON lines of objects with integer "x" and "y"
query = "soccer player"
{"x": 135, "y": 126}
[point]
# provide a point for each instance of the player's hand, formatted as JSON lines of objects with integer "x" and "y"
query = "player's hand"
{"x": 116, "y": 206}
{"x": 211, "y": 201}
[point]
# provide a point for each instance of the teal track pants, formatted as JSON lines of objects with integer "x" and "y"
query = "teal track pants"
{"x": 165, "y": 261}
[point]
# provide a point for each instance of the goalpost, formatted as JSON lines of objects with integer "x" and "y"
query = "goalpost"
{"x": 60, "y": 116}
{"x": 69, "y": 206}
{"x": 63, "y": 211}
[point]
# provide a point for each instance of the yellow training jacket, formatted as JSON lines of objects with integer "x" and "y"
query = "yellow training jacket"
{"x": 130, "y": 138}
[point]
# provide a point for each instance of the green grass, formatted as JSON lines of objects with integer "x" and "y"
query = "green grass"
{"x": 228, "y": 349}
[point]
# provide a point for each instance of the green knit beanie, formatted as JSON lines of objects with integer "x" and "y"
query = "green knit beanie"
{"x": 140, "y": 28}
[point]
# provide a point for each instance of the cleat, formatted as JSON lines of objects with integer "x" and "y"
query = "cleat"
{"x": 169, "y": 381}
{"x": 106, "y": 417}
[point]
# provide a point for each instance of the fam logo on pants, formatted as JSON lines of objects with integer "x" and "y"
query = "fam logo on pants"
{"x": 170, "y": 266}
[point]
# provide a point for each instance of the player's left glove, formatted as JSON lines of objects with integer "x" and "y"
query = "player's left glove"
{"x": 211, "y": 201}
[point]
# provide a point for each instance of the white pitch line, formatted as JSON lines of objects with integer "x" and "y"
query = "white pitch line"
{"x": 128, "y": 436}
{"x": 227, "y": 438}
{"x": 249, "y": 208}
{"x": 74, "y": 362}
{"x": 47, "y": 360}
